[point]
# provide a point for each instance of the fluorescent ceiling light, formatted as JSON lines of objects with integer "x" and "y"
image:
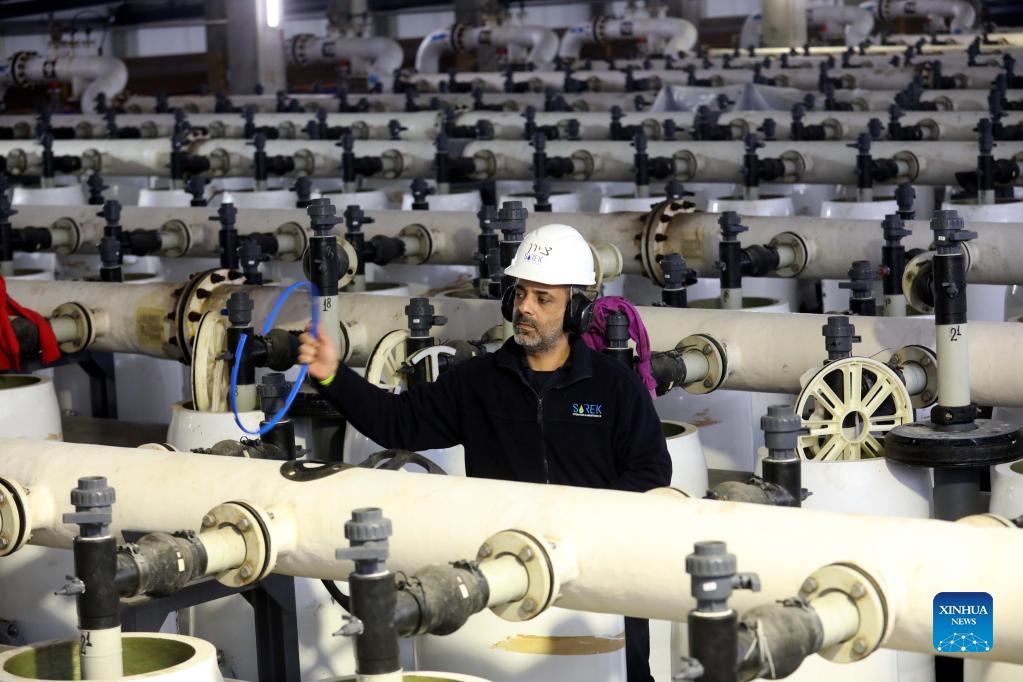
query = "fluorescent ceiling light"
{"x": 273, "y": 13}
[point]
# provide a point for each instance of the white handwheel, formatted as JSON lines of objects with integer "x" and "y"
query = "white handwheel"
{"x": 386, "y": 360}
{"x": 432, "y": 357}
{"x": 211, "y": 373}
{"x": 848, "y": 406}
{"x": 388, "y": 364}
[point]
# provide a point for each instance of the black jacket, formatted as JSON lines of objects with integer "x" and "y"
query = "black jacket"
{"x": 594, "y": 425}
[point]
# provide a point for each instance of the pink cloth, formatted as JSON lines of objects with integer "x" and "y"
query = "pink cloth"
{"x": 594, "y": 337}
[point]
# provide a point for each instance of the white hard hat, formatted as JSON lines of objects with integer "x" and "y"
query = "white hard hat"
{"x": 554, "y": 254}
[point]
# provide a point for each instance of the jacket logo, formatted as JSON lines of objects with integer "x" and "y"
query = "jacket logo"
{"x": 587, "y": 410}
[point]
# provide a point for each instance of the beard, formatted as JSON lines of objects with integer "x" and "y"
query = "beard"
{"x": 536, "y": 339}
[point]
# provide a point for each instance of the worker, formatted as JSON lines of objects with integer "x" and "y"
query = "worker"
{"x": 543, "y": 408}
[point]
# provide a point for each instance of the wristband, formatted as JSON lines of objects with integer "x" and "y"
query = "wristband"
{"x": 329, "y": 380}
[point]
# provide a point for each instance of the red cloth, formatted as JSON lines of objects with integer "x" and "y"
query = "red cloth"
{"x": 10, "y": 350}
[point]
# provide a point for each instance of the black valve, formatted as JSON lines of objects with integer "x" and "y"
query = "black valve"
{"x": 730, "y": 250}
{"x": 227, "y": 214}
{"x": 303, "y": 190}
{"x": 487, "y": 244}
{"x": 861, "y": 288}
{"x": 96, "y": 187}
{"x": 420, "y": 191}
{"x": 839, "y": 337}
{"x": 196, "y": 186}
{"x": 250, "y": 256}
{"x": 677, "y": 277}
{"x": 800, "y": 131}
{"x": 905, "y": 196}
{"x": 893, "y": 253}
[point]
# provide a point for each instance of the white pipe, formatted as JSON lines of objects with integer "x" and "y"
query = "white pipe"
{"x": 812, "y": 162}
{"x": 369, "y": 125}
{"x": 627, "y": 561}
{"x": 383, "y": 55}
{"x": 541, "y": 41}
{"x": 139, "y": 324}
{"x": 89, "y": 76}
{"x": 679, "y": 34}
{"x": 830, "y": 243}
{"x": 857, "y": 23}
{"x": 960, "y": 12}
{"x": 228, "y": 157}
{"x": 431, "y": 48}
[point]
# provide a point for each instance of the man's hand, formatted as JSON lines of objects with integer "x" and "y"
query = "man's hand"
{"x": 319, "y": 353}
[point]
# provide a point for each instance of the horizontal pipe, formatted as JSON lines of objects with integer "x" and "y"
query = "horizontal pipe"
{"x": 139, "y": 324}
{"x": 89, "y": 76}
{"x": 228, "y": 157}
{"x": 383, "y": 56}
{"x": 616, "y": 537}
{"x": 368, "y": 125}
{"x": 831, "y": 243}
{"x": 816, "y": 162}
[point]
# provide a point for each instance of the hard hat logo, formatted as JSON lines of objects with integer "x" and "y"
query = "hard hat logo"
{"x": 555, "y": 255}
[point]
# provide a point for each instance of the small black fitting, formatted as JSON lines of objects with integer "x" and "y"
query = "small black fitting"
{"x": 839, "y": 337}
{"x": 861, "y": 288}
{"x": 616, "y": 337}
{"x": 227, "y": 215}
{"x": 893, "y": 253}
{"x": 730, "y": 250}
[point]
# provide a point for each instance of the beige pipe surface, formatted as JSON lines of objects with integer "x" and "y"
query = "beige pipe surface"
{"x": 419, "y": 125}
{"x": 230, "y": 157}
{"x": 823, "y": 162}
{"x": 630, "y": 548}
{"x": 832, "y": 243}
{"x": 594, "y": 101}
{"x": 766, "y": 352}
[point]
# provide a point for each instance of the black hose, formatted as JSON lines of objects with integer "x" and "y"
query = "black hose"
{"x": 337, "y": 595}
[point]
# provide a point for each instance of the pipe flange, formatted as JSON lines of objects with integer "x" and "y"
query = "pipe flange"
{"x": 497, "y": 334}
{"x": 926, "y": 359}
{"x": 739, "y": 128}
{"x": 912, "y": 164}
{"x": 352, "y": 257}
{"x": 299, "y": 48}
{"x": 83, "y": 130}
{"x": 286, "y": 130}
{"x": 583, "y": 164}
{"x": 253, "y": 524}
{"x": 835, "y": 129}
{"x": 932, "y": 127}
{"x": 396, "y": 164}
{"x": 690, "y": 162}
{"x": 792, "y": 241}
{"x": 848, "y": 406}
{"x": 159, "y": 447}
{"x": 22, "y": 131}
{"x": 651, "y": 128}
{"x": 220, "y": 162}
{"x": 848, "y": 81}
{"x": 15, "y": 526}
{"x": 653, "y": 239}
{"x": 182, "y": 235}
{"x": 717, "y": 362}
{"x": 535, "y": 559}
{"x": 190, "y": 306}
{"x": 85, "y": 328}
{"x": 305, "y": 162}
{"x": 484, "y": 165}
{"x": 914, "y": 277}
{"x": 17, "y": 161}
{"x": 594, "y": 84}
{"x": 210, "y": 369}
{"x": 421, "y": 234}
{"x": 944, "y": 103}
{"x": 74, "y": 235}
{"x": 19, "y": 67}
{"x": 92, "y": 161}
{"x": 298, "y": 237}
{"x": 218, "y": 129}
{"x": 457, "y": 37}
{"x": 798, "y": 163}
{"x": 868, "y": 598}
{"x": 606, "y": 254}
{"x": 600, "y": 29}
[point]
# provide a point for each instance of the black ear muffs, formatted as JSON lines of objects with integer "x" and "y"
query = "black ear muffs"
{"x": 578, "y": 312}
{"x": 508, "y": 303}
